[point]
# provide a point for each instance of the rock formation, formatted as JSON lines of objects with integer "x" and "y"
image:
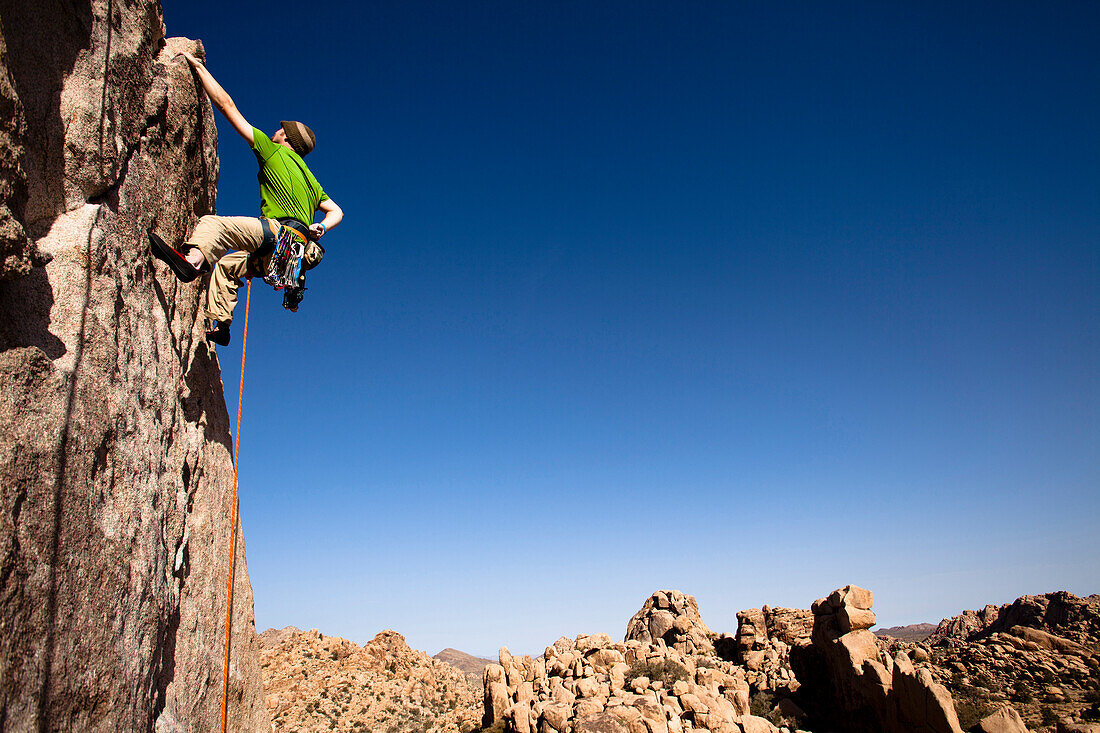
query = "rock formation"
{"x": 846, "y": 682}
{"x": 1062, "y": 614}
{"x": 115, "y": 463}
{"x": 320, "y": 683}
{"x": 664, "y": 678}
{"x": 672, "y": 617}
{"x": 1041, "y": 653}
{"x": 763, "y": 644}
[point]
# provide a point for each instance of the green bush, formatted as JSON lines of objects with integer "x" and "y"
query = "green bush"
{"x": 761, "y": 704}
{"x": 666, "y": 671}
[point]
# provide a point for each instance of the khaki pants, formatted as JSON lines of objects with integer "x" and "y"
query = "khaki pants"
{"x": 214, "y": 236}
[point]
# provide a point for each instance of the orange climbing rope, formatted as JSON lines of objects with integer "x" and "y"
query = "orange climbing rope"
{"x": 233, "y": 531}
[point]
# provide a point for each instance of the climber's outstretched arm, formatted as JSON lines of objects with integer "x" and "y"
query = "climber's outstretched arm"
{"x": 221, "y": 99}
{"x": 333, "y": 216}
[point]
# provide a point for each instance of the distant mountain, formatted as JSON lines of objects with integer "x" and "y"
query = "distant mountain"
{"x": 912, "y": 632}
{"x": 471, "y": 665}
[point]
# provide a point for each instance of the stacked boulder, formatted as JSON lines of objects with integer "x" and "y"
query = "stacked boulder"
{"x": 673, "y": 617}
{"x": 763, "y": 644}
{"x": 592, "y": 684}
{"x": 847, "y": 682}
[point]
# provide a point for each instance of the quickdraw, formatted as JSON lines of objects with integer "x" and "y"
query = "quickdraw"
{"x": 285, "y": 268}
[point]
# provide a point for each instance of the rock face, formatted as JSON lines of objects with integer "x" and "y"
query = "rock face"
{"x": 320, "y": 683}
{"x": 847, "y": 683}
{"x": 115, "y": 463}
{"x": 664, "y": 678}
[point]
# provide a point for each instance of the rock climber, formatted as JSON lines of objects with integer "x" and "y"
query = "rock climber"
{"x": 290, "y": 196}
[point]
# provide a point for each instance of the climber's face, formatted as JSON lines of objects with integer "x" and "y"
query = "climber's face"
{"x": 279, "y": 137}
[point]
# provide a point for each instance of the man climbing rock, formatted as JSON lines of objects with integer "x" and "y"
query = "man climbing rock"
{"x": 290, "y": 196}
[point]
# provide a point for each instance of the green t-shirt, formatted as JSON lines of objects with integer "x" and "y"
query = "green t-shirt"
{"x": 287, "y": 187}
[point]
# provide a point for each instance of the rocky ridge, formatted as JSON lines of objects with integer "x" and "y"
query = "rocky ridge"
{"x": 787, "y": 669}
{"x": 912, "y": 632}
{"x": 315, "y": 682}
{"x": 1040, "y": 652}
{"x": 115, "y": 462}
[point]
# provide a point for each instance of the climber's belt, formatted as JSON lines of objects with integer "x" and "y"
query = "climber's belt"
{"x": 295, "y": 225}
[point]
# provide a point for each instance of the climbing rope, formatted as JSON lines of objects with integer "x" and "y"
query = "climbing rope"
{"x": 233, "y": 531}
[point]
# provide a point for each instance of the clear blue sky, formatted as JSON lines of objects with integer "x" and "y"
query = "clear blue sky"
{"x": 751, "y": 300}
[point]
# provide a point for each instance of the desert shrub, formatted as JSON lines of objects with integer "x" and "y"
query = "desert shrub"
{"x": 1047, "y": 715}
{"x": 971, "y": 711}
{"x": 761, "y": 704}
{"x": 667, "y": 671}
{"x": 1021, "y": 692}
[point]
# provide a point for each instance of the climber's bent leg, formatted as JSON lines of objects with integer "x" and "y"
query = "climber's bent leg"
{"x": 221, "y": 296}
{"x": 216, "y": 235}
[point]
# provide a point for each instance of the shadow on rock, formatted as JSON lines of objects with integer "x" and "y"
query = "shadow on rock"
{"x": 25, "y": 305}
{"x": 203, "y": 380}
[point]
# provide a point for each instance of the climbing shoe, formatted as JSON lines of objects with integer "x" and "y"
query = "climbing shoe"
{"x": 183, "y": 270}
{"x": 217, "y": 332}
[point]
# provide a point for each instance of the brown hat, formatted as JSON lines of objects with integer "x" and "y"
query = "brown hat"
{"x": 300, "y": 137}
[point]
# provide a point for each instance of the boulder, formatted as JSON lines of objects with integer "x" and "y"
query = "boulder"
{"x": 601, "y": 723}
{"x": 754, "y": 724}
{"x": 852, "y": 596}
{"x": 496, "y": 702}
{"x": 1047, "y": 640}
{"x": 1005, "y": 720}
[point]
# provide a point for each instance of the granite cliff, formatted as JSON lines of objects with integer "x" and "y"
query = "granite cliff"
{"x": 115, "y": 461}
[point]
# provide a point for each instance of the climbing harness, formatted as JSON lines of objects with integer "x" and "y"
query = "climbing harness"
{"x": 236, "y": 514}
{"x": 289, "y": 254}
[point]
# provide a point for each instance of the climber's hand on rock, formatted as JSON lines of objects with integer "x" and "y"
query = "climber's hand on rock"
{"x": 191, "y": 59}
